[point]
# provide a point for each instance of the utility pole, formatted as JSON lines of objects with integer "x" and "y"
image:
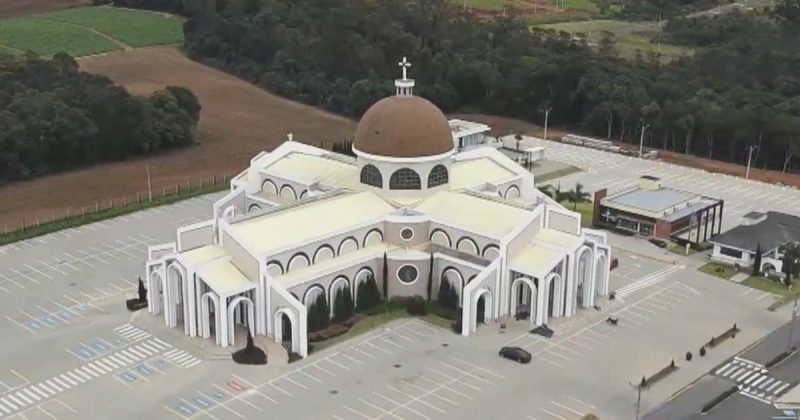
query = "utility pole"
{"x": 791, "y": 327}
{"x": 641, "y": 139}
{"x": 639, "y": 397}
{"x": 546, "y": 117}
{"x": 749, "y": 158}
{"x": 149, "y": 186}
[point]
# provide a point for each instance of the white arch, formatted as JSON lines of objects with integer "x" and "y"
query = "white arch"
{"x": 311, "y": 294}
{"x": 229, "y": 213}
{"x": 298, "y": 261}
{"x": 549, "y": 284}
{"x": 155, "y": 292}
{"x": 512, "y": 192}
{"x": 361, "y": 277}
{"x": 439, "y": 237}
{"x": 279, "y": 328}
{"x": 251, "y": 319}
{"x": 269, "y": 186}
{"x": 533, "y": 304}
{"x": 487, "y": 308}
{"x": 274, "y": 270}
{"x": 287, "y": 191}
{"x": 459, "y": 285}
{"x": 205, "y": 318}
{"x": 373, "y": 238}
{"x": 491, "y": 253}
{"x": 584, "y": 284}
{"x": 468, "y": 245}
{"x": 323, "y": 253}
{"x": 601, "y": 274}
{"x": 339, "y": 282}
{"x": 347, "y": 245}
{"x": 176, "y": 296}
{"x": 253, "y": 207}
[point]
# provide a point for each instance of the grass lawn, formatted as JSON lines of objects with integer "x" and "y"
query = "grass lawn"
{"x": 132, "y": 27}
{"x": 768, "y": 285}
{"x": 584, "y": 208}
{"x": 481, "y": 4}
{"x": 549, "y": 176}
{"x": 680, "y": 250}
{"x": 47, "y": 38}
{"x": 718, "y": 270}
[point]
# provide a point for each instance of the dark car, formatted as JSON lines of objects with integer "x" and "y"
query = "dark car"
{"x": 515, "y": 353}
{"x": 614, "y": 263}
{"x": 658, "y": 242}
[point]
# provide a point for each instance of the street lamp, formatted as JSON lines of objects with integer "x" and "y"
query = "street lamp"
{"x": 749, "y": 158}
{"x": 791, "y": 327}
{"x": 546, "y": 117}
{"x": 641, "y": 139}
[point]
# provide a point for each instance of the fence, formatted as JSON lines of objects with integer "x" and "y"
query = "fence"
{"x": 72, "y": 217}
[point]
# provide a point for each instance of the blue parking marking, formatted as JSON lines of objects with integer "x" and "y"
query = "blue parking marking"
{"x": 64, "y": 315}
{"x": 50, "y": 320}
{"x": 219, "y": 395}
{"x": 185, "y": 409}
{"x": 159, "y": 363}
{"x": 144, "y": 369}
{"x": 202, "y": 402}
{"x": 100, "y": 346}
{"x": 85, "y": 353}
{"x": 34, "y": 325}
{"x": 128, "y": 376}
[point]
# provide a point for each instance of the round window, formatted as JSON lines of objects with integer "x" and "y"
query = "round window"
{"x": 407, "y": 233}
{"x": 408, "y": 274}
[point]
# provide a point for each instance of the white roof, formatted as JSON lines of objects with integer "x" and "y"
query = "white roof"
{"x": 299, "y": 225}
{"x": 225, "y": 279}
{"x": 301, "y": 275}
{"x": 308, "y": 169}
{"x": 474, "y": 172}
{"x": 462, "y": 128}
{"x": 557, "y": 238}
{"x": 536, "y": 261}
{"x": 203, "y": 255}
{"x": 475, "y": 214}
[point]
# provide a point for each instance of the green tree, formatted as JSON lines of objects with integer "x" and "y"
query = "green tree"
{"x": 367, "y": 295}
{"x": 757, "y": 261}
{"x": 430, "y": 277}
{"x": 578, "y": 195}
{"x": 791, "y": 261}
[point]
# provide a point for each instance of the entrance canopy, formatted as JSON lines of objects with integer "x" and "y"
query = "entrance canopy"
{"x": 536, "y": 261}
{"x": 225, "y": 279}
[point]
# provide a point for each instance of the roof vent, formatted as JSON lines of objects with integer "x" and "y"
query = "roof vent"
{"x": 647, "y": 182}
{"x": 753, "y": 217}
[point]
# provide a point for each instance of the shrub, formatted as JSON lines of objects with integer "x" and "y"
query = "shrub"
{"x": 318, "y": 314}
{"x": 688, "y": 356}
{"x": 702, "y": 351}
{"x": 447, "y": 296}
{"x": 416, "y": 306}
{"x": 343, "y": 304}
{"x": 368, "y": 295}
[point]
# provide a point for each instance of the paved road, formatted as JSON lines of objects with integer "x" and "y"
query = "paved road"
{"x": 760, "y": 386}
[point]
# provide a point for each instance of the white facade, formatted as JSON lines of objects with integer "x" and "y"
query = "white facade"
{"x": 302, "y": 223}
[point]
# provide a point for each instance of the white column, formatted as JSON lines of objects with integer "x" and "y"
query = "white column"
{"x": 570, "y": 280}
{"x": 540, "y": 292}
{"x": 562, "y": 296}
{"x": 589, "y": 302}
{"x": 222, "y": 316}
{"x": 191, "y": 305}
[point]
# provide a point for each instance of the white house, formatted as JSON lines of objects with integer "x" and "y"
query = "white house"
{"x": 770, "y": 230}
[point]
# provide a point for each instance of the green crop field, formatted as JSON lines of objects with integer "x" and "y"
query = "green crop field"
{"x": 88, "y": 30}
{"x": 47, "y": 38}
{"x": 131, "y": 27}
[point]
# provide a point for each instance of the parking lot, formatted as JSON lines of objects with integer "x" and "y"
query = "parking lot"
{"x": 616, "y": 172}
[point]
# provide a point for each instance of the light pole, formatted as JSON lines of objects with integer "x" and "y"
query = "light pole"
{"x": 149, "y": 186}
{"x": 641, "y": 139}
{"x": 749, "y": 158}
{"x": 791, "y": 327}
{"x": 546, "y": 117}
{"x": 639, "y": 397}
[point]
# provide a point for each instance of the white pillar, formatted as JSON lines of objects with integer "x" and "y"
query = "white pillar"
{"x": 563, "y": 295}
{"x": 540, "y": 292}
{"x": 191, "y": 304}
{"x": 571, "y": 295}
{"x": 222, "y": 316}
{"x": 167, "y": 308}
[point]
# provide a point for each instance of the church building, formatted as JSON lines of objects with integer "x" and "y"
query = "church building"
{"x": 303, "y": 222}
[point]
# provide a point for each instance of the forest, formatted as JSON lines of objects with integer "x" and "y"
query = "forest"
{"x": 740, "y": 88}
{"x": 55, "y": 117}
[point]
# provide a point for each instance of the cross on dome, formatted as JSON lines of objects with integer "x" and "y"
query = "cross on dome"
{"x": 405, "y": 86}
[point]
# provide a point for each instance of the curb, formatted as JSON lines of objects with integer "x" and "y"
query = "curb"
{"x": 650, "y": 257}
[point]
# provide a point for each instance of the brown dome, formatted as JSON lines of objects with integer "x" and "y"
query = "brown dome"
{"x": 403, "y": 127}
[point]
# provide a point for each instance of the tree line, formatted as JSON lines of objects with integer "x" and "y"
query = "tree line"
{"x": 55, "y": 117}
{"x": 740, "y": 88}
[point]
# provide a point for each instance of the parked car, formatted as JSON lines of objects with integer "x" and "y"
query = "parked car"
{"x": 515, "y": 353}
{"x": 658, "y": 242}
{"x": 614, "y": 263}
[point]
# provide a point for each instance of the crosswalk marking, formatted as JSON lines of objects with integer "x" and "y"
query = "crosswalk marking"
{"x": 767, "y": 382}
{"x": 116, "y": 360}
{"x": 137, "y": 353}
{"x": 4, "y": 408}
{"x": 14, "y": 398}
{"x": 22, "y": 396}
{"x": 31, "y": 394}
{"x": 8, "y": 403}
{"x": 775, "y": 385}
{"x": 647, "y": 281}
{"x": 43, "y": 386}
{"x": 57, "y": 388}
{"x": 66, "y": 378}
{"x": 62, "y": 383}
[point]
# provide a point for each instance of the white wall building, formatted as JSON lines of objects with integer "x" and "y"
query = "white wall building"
{"x": 302, "y": 222}
{"x": 769, "y": 231}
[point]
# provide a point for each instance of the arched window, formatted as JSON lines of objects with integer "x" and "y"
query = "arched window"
{"x": 370, "y": 175}
{"x": 405, "y": 179}
{"x": 438, "y": 176}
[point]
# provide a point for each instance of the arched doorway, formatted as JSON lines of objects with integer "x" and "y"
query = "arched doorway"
{"x": 286, "y": 329}
{"x": 176, "y": 291}
{"x": 241, "y": 312}
{"x": 454, "y": 278}
{"x": 551, "y": 296}
{"x": 209, "y": 305}
{"x": 523, "y": 298}
{"x": 601, "y": 275}
{"x": 483, "y": 307}
{"x": 583, "y": 277}
{"x": 155, "y": 294}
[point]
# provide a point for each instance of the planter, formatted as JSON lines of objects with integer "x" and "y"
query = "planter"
{"x": 135, "y": 304}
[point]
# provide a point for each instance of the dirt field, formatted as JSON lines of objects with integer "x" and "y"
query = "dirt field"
{"x": 12, "y": 8}
{"x": 503, "y": 126}
{"x": 238, "y": 120}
